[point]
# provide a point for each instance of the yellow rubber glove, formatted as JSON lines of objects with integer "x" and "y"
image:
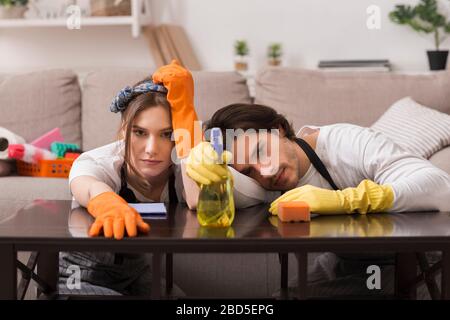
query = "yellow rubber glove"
{"x": 113, "y": 214}
{"x": 180, "y": 86}
{"x": 367, "y": 197}
{"x": 203, "y": 165}
{"x": 377, "y": 225}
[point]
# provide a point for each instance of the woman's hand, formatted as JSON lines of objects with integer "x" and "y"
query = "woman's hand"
{"x": 179, "y": 83}
{"x": 203, "y": 165}
{"x": 180, "y": 86}
{"x": 113, "y": 214}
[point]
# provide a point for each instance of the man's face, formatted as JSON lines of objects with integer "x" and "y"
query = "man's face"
{"x": 269, "y": 158}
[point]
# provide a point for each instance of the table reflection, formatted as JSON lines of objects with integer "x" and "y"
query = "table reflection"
{"x": 257, "y": 222}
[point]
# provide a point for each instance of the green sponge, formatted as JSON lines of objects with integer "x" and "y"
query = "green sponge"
{"x": 60, "y": 148}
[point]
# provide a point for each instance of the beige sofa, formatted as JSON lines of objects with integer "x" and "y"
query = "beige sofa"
{"x": 31, "y": 104}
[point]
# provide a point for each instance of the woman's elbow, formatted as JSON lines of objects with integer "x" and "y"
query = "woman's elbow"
{"x": 192, "y": 203}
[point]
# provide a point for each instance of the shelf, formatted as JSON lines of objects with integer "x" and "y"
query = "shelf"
{"x": 85, "y": 21}
{"x": 140, "y": 16}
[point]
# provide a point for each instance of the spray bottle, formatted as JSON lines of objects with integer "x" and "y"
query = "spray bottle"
{"x": 215, "y": 206}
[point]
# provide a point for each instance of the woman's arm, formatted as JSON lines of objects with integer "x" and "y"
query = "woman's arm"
{"x": 247, "y": 192}
{"x": 95, "y": 172}
{"x": 191, "y": 189}
{"x": 111, "y": 212}
{"x": 85, "y": 188}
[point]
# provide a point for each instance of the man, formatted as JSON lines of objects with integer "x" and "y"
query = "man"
{"x": 368, "y": 171}
{"x": 336, "y": 169}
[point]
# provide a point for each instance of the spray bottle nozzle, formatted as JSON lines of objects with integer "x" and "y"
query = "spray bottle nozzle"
{"x": 217, "y": 141}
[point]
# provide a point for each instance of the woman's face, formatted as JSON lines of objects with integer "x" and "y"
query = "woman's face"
{"x": 151, "y": 144}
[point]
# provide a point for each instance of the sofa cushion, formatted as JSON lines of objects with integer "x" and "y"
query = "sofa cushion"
{"x": 213, "y": 90}
{"x": 28, "y": 188}
{"x": 441, "y": 159}
{"x": 320, "y": 98}
{"x": 34, "y": 103}
{"x": 419, "y": 129}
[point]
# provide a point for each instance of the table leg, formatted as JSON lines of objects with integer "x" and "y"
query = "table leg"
{"x": 284, "y": 264}
{"x": 169, "y": 273}
{"x": 48, "y": 271}
{"x": 445, "y": 277}
{"x": 302, "y": 274}
{"x": 27, "y": 274}
{"x": 156, "y": 276}
{"x": 427, "y": 276}
{"x": 8, "y": 272}
{"x": 405, "y": 275}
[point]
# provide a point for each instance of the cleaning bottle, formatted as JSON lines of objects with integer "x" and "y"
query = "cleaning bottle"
{"x": 215, "y": 206}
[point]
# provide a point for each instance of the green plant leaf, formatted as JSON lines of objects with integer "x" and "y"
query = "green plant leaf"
{"x": 10, "y": 3}
{"x": 424, "y": 17}
{"x": 274, "y": 51}
{"x": 402, "y": 14}
{"x": 447, "y": 28}
{"x": 241, "y": 48}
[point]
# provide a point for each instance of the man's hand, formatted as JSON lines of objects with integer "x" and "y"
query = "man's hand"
{"x": 367, "y": 197}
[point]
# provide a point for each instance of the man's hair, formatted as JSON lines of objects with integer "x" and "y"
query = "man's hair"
{"x": 250, "y": 116}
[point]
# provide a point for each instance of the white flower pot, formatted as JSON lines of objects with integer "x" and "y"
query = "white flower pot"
{"x": 241, "y": 63}
{"x": 12, "y": 12}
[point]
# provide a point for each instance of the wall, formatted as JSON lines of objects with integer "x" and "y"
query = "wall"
{"x": 309, "y": 30}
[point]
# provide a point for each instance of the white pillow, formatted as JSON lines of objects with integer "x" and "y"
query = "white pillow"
{"x": 419, "y": 129}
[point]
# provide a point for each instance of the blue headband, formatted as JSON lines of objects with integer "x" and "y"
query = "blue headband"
{"x": 123, "y": 98}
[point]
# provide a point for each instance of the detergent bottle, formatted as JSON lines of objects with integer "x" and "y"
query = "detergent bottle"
{"x": 215, "y": 206}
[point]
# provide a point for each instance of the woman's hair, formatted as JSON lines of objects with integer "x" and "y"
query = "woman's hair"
{"x": 250, "y": 116}
{"x": 138, "y": 103}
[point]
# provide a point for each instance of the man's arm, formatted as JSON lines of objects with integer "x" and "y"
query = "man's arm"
{"x": 417, "y": 184}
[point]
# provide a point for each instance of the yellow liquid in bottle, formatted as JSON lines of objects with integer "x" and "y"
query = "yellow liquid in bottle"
{"x": 215, "y": 206}
{"x": 215, "y": 233}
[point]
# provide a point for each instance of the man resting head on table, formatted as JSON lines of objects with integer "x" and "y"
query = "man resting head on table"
{"x": 364, "y": 171}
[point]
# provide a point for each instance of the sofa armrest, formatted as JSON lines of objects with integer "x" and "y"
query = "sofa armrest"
{"x": 441, "y": 159}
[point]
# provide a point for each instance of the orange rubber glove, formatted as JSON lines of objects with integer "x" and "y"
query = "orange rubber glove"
{"x": 113, "y": 214}
{"x": 180, "y": 86}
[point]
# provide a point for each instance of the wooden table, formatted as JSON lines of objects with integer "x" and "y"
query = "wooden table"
{"x": 50, "y": 227}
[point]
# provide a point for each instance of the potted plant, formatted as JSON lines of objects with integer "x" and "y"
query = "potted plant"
{"x": 274, "y": 54}
{"x": 241, "y": 51}
{"x": 12, "y": 9}
{"x": 425, "y": 17}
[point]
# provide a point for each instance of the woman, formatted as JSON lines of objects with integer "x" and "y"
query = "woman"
{"x": 137, "y": 168}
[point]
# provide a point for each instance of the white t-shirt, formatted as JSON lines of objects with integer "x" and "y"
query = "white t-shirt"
{"x": 352, "y": 154}
{"x": 105, "y": 163}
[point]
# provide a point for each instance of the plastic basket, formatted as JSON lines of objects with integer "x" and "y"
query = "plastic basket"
{"x": 59, "y": 168}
